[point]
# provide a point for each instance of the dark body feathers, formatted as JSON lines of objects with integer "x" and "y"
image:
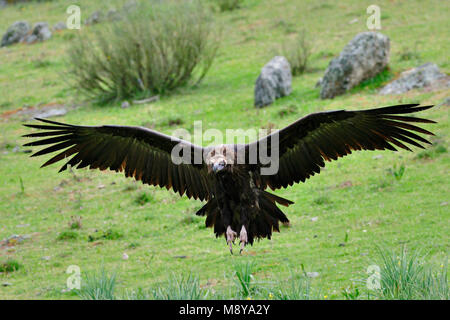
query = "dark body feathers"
{"x": 235, "y": 196}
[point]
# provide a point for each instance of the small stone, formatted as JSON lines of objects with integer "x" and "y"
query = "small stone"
{"x": 41, "y": 32}
{"x": 59, "y": 26}
{"x": 23, "y": 225}
{"x": 346, "y": 184}
{"x": 446, "y": 102}
{"x": 378, "y": 156}
{"x": 312, "y": 274}
{"x": 53, "y": 112}
{"x": 125, "y": 105}
{"x": 94, "y": 18}
{"x": 125, "y": 256}
{"x": 314, "y": 219}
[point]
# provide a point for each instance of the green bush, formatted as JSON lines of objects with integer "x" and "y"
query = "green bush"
{"x": 153, "y": 50}
{"x": 229, "y": 5}
{"x": 10, "y": 266}
{"x": 67, "y": 235}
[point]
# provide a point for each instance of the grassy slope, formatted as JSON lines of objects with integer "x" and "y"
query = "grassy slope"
{"x": 391, "y": 212}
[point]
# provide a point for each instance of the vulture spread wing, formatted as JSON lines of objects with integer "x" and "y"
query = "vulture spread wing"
{"x": 141, "y": 153}
{"x": 306, "y": 143}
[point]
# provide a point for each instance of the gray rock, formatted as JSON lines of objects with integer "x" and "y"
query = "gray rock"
{"x": 274, "y": 81}
{"x": 446, "y": 102}
{"x": 363, "y": 57}
{"x": 130, "y": 6}
{"x": 113, "y": 15}
{"x": 31, "y": 38}
{"x": 53, "y": 112}
{"x": 312, "y": 274}
{"x": 125, "y": 105}
{"x": 15, "y": 33}
{"x": 41, "y": 32}
{"x": 94, "y": 18}
{"x": 426, "y": 75}
{"x": 59, "y": 26}
{"x": 14, "y": 239}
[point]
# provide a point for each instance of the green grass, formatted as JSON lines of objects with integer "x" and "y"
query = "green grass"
{"x": 10, "y": 266}
{"x": 405, "y": 276}
{"x": 97, "y": 286}
{"x": 376, "y": 208}
{"x": 68, "y": 235}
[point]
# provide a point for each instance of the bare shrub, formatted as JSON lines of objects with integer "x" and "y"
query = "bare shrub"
{"x": 153, "y": 50}
{"x": 297, "y": 52}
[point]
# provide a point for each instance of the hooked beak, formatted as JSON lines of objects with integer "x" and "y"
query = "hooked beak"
{"x": 217, "y": 167}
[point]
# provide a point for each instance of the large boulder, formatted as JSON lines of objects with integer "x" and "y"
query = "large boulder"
{"x": 15, "y": 33}
{"x": 275, "y": 81}
{"x": 424, "y": 76}
{"x": 41, "y": 32}
{"x": 363, "y": 57}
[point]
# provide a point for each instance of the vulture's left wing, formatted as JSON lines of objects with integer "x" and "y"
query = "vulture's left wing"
{"x": 140, "y": 152}
{"x": 306, "y": 143}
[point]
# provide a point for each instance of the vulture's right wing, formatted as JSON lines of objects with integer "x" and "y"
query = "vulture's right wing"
{"x": 140, "y": 152}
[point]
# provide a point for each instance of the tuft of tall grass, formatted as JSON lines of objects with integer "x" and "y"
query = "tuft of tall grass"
{"x": 405, "y": 276}
{"x": 98, "y": 286}
{"x": 178, "y": 288}
{"x": 243, "y": 271}
{"x": 296, "y": 288}
{"x": 153, "y": 50}
{"x": 298, "y": 52}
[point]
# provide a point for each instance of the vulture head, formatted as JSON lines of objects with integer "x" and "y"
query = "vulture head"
{"x": 220, "y": 159}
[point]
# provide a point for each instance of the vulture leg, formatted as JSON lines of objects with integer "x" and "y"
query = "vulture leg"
{"x": 243, "y": 238}
{"x": 231, "y": 235}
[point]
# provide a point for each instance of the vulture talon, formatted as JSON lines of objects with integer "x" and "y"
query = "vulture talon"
{"x": 243, "y": 239}
{"x": 231, "y": 236}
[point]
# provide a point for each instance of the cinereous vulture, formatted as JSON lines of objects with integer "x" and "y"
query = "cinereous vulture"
{"x": 238, "y": 205}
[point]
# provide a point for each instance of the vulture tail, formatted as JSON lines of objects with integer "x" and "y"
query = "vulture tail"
{"x": 262, "y": 222}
